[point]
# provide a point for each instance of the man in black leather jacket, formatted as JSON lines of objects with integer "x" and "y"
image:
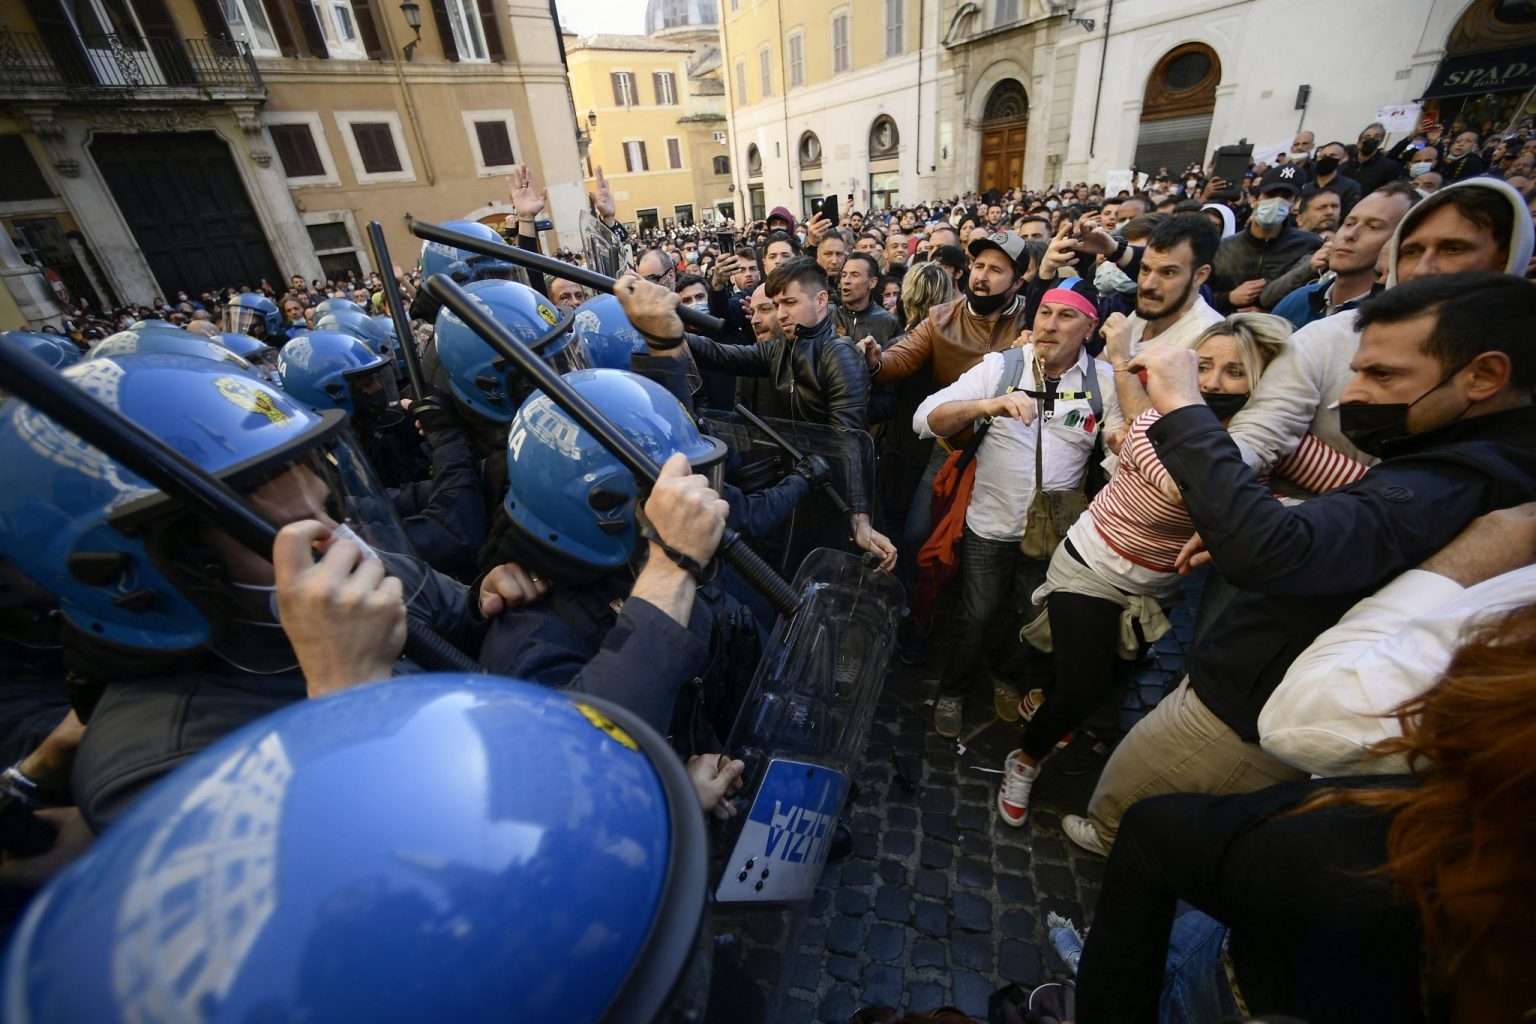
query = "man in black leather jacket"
{"x": 817, "y": 375}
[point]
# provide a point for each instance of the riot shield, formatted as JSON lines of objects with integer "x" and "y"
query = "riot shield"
{"x": 800, "y": 731}
{"x": 603, "y": 251}
{"x": 816, "y": 522}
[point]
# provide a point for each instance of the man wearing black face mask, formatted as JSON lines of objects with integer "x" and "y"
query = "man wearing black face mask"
{"x": 1327, "y": 174}
{"x": 1371, "y": 167}
{"x": 1442, "y": 390}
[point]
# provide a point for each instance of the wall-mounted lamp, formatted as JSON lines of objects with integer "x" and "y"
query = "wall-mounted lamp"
{"x": 591, "y": 121}
{"x": 1087, "y": 23}
{"x": 412, "y": 11}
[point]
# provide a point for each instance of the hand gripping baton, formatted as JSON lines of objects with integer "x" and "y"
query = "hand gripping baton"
{"x": 124, "y": 441}
{"x": 732, "y": 550}
{"x": 784, "y": 445}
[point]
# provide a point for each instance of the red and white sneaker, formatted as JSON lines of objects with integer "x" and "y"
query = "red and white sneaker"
{"x": 1013, "y": 794}
{"x": 1031, "y": 702}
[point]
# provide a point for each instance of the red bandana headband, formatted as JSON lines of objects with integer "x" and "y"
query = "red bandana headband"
{"x": 1068, "y": 297}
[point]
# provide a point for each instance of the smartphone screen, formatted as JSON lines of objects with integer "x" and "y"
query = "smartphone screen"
{"x": 726, "y": 242}
{"x": 829, "y": 209}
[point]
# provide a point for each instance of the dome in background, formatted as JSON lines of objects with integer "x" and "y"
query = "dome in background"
{"x": 663, "y": 17}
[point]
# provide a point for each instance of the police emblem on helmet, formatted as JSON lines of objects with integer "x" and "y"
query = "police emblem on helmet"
{"x": 248, "y": 398}
{"x": 548, "y": 315}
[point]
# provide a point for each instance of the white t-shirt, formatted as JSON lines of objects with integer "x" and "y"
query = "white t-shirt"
{"x": 1181, "y": 332}
{"x": 1005, "y": 463}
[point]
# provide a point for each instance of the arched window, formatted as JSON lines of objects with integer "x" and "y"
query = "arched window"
{"x": 884, "y": 139}
{"x": 1176, "y": 109}
{"x": 722, "y": 165}
{"x": 810, "y": 150}
{"x": 1006, "y": 102}
{"x": 754, "y": 162}
{"x": 1184, "y": 82}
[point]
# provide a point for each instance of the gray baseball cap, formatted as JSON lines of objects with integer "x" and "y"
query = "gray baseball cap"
{"x": 1009, "y": 243}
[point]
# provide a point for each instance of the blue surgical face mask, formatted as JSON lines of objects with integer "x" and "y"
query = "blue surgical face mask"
{"x": 1272, "y": 211}
{"x": 1420, "y": 167}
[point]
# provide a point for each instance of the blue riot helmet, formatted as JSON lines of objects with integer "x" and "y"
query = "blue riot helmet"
{"x": 329, "y": 370}
{"x": 610, "y": 337}
{"x": 361, "y": 326}
{"x": 336, "y": 306}
{"x": 461, "y": 264}
{"x": 432, "y": 848}
{"x": 478, "y": 375}
{"x": 261, "y": 356}
{"x": 57, "y": 350}
{"x": 571, "y": 502}
{"x": 166, "y": 340}
{"x": 131, "y": 568}
{"x": 253, "y": 314}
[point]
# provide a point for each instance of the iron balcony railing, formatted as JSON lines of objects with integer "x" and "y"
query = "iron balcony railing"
{"x": 118, "y": 62}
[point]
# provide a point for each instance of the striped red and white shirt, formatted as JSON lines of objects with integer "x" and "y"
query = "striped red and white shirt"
{"x": 1141, "y": 524}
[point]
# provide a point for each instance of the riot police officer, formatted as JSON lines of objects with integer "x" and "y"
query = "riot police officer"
{"x": 444, "y": 516}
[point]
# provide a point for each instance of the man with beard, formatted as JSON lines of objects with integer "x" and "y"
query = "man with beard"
{"x": 1032, "y": 444}
{"x": 1371, "y": 167}
{"x": 957, "y": 334}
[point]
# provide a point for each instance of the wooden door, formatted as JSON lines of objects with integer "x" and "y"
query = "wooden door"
{"x": 1002, "y": 155}
{"x": 185, "y": 204}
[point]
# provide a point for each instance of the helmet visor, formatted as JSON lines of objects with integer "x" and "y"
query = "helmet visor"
{"x": 332, "y": 484}
{"x": 244, "y": 320}
{"x": 375, "y": 397}
{"x": 489, "y": 268}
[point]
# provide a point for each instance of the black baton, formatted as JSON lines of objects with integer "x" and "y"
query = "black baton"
{"x": 552, "y": 267}
{"x": 784, "y": 445}
{"x": 403, "y": 334}
{"x": 732, "y": 550}
{"x": 124, "y": 441}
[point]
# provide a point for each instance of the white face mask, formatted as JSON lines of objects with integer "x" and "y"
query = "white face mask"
{"x": 1110, "y": 278}
{"x": 1272, "y": 211}
{"x": 1422, "y": 167}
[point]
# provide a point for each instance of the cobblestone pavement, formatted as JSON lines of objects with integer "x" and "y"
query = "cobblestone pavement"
{"x": 940, "y": 902}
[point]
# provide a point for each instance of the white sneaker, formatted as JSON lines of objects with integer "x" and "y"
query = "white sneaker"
{"x": 1084, "y": 833}
{"x": 947, "y": 713}
{"x": 1013, "y": 794}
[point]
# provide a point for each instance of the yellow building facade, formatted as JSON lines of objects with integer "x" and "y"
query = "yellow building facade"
{"x": 655, "y": 126}
{"x": 158, "y": 146}
{"x": 831, "y": 99}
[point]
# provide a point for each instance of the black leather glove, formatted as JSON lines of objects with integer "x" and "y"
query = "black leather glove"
{"x": 814, "y": 469}
{"x": 437, "y": 413}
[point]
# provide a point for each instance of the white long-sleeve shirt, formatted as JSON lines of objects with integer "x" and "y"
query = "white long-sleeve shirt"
{"x": 1388, "y": 648}
{"x": 1005, "y": 462}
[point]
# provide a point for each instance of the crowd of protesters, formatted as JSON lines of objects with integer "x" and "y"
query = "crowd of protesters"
{"x": 1311, "y": 387}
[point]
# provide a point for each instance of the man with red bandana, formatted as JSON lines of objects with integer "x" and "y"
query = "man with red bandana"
{"x": 1049, "y": 410}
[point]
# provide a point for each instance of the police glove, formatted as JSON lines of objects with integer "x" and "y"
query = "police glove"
{"x": 815, "y": 470}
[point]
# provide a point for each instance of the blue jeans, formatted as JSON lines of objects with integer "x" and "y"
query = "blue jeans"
{"x": 1195, "y": 985}
{"x": 919, "y": 524}
{"x": 995, "y": 583}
